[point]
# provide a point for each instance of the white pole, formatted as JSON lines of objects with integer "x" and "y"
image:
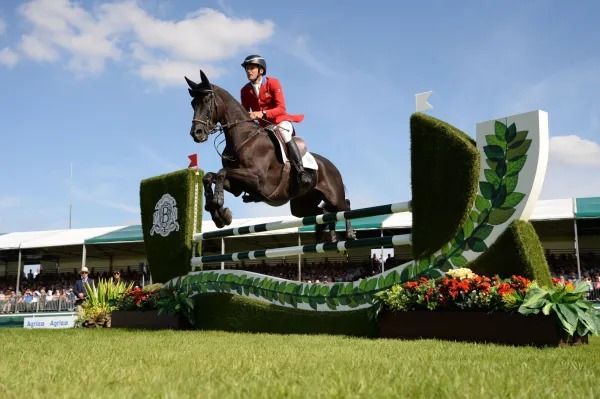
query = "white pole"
{"x": 381, "y": 260}
{"x": 18, "y": 274}
{"x": 222, "y": 252}
{"x": 70, "y": 195}
{"x": 576, "y": 239}
{"x": 299, "y": 259}
{"x": 83, "y": 256}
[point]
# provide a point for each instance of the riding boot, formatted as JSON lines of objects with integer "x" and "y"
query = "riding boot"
{"x": 304, "y": 179}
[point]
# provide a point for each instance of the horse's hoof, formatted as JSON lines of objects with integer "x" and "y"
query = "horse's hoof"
{"x": 225, "y": 215}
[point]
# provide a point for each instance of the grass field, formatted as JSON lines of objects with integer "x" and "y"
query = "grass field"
{"x": 199, "y": 364}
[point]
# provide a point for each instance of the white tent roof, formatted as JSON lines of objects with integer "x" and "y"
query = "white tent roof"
{"x": 52, "y": 238}
{"x": 553, "y": 210}
{"x": 544, "y": 210}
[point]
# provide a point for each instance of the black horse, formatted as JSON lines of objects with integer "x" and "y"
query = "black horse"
{"x": 252, "y": 165}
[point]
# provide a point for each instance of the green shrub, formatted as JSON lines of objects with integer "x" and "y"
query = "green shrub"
{"x": 444, "y": 175}
{"x": 170, "y": 256}
{"x": 517, "y": 251}
{"x": 237, "y": 313}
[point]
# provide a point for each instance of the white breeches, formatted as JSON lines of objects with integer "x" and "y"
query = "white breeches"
{"x": 286, "y": 129}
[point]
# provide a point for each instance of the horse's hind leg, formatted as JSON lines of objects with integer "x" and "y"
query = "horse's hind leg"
{"x": 350, "y": 232}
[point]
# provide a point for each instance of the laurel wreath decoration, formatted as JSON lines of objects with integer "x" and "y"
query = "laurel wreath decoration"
{"x": 506, "y": 155}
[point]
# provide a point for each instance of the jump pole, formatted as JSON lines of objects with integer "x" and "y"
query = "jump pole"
{"x": 307, "y": 221}
{"x": 395, "y": 240}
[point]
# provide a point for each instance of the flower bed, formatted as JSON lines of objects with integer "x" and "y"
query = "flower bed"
{"x": 465, "y": 306}
{"x": 138, "y": 308}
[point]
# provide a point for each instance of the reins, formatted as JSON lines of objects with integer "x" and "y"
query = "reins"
{"x": 219, "y": 128}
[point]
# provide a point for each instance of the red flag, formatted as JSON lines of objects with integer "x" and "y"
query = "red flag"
{"x": 193, "y": 161}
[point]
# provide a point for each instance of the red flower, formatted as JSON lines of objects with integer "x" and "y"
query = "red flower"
{"x": 505, "y": 289}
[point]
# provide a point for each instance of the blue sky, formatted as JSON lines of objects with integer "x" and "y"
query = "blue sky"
{"x": 99, "y": 85}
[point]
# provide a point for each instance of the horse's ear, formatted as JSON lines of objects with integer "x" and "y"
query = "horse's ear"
{"x": 204, "y": 80}
{"x": 193, "y": 85}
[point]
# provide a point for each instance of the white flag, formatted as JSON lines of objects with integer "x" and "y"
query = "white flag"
{"x": 421, "y": 103}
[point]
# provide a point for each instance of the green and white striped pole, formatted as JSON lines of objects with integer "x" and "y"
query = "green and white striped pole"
{"x": 396, "y": 240}
{"x": 307, "y": 221}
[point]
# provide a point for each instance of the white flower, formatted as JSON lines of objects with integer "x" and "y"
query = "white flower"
{"x": 461, "y": 273}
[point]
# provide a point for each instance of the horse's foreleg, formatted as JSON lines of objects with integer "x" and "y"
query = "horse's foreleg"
{"x": 219, "y": 197}
{"x": 207, "y": 182}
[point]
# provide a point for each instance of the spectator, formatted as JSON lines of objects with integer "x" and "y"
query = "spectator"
{"x": 79, "y": 289}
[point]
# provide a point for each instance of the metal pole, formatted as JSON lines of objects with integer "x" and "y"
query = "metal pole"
{"x": 299, "y": 259}
{"x": 70, "y": 195}
{"x": 223, "y": 252}
{"x": 381, "y": 259}
{"x": 83, "y": 256}
{"x": 18, "y": 273}
{"x": 576, "y": 239}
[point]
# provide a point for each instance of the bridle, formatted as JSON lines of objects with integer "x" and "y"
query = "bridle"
{"x": 210, "y": 127}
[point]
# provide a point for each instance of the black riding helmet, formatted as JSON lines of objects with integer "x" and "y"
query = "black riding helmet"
{"x": 255, "y": 59}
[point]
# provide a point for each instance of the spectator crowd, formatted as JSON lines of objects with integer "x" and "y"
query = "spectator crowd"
{"x": 54, "y": 292}
{"x": 48, "y": 292}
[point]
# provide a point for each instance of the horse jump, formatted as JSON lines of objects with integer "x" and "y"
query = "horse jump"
{"x": 401, "y": 239}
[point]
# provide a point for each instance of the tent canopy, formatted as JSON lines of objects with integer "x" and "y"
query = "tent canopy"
{"x": 587, "y": 207}
{"x": 545, "y": 210}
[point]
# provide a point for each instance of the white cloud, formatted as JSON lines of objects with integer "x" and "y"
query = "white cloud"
{"x": 160, "y": 50}
{"x": 8, "y": 57}
{"x": 574, "y": 150}
{"x": 573, "y": 168}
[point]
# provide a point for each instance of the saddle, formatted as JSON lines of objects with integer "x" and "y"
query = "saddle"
{"x": 281, "y": 148}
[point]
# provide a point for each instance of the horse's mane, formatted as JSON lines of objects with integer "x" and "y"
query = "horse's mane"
{"x": 228, "y": 98}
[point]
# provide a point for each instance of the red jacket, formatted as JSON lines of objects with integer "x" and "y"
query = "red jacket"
{"x": 270, "y": 99}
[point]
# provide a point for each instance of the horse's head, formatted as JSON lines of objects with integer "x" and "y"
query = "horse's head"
{"x": 204, "y": 105}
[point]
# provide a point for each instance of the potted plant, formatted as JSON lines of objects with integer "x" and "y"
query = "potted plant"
{"x": 138, "y": 308}
{"x": 101, "y": 300}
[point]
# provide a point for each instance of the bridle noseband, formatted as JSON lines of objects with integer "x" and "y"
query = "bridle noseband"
{"x": 206, "y": 116}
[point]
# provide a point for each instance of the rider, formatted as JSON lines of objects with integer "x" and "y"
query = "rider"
{"x": 263, "y": 97}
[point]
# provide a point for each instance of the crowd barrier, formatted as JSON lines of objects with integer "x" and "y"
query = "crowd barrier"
{"x": 18, "y": 304}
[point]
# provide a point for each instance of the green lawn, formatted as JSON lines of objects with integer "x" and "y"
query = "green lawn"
{"x": 194, "y": 364}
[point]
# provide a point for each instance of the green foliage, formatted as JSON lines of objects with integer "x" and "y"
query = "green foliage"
{"x": 444, "y": 167}
{"x": 317, "y": 296}
{"x": 101, "y": 300}
{"x": 237, "y": 313}
{"x": 517, "y": 251}
{"x": 170, "y": 256}
{"x": 176, "y": 298}
{"x": 577, "y": 316}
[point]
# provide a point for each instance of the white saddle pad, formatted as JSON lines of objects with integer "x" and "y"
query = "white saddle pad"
{"x": 308, "y": 160}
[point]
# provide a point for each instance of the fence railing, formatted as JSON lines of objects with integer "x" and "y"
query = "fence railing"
{"x": 19, "y": 304}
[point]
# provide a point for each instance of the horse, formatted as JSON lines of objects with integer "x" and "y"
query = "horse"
{"x": 252, "y": 165}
